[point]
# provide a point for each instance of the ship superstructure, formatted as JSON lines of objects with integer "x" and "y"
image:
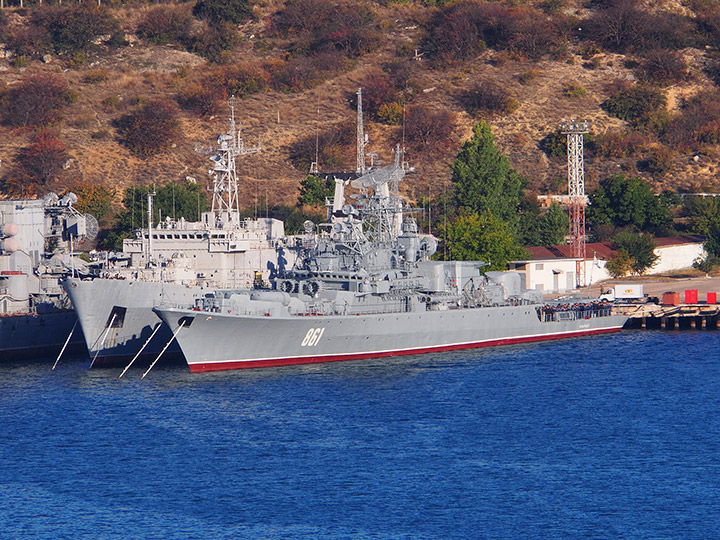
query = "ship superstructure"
{"x": 364, "y": 286}
{"x": 177, "y": 260}
{"x": 36, "y": 252}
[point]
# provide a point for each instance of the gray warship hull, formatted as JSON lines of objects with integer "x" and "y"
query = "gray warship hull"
{"x": 215, "y": 341}
{"x": 26, "y": 336}
{"x": 117, "y": 318}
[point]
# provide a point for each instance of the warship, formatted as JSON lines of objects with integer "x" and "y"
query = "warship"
{"x": 364, "y": 286}
{"x": 36, "y": 317}
{"x": 176, "y": 261}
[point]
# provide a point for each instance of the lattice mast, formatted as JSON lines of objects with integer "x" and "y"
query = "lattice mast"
{"x": 225, "y": 203}
{"x": 576, "y": 191}
{"x": 361, "y": 169}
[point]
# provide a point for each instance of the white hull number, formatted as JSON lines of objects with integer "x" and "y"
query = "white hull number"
{"x": 312, "y": 337}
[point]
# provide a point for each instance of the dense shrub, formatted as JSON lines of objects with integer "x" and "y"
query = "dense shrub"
{"x": 640, "y": 105}
{"x": 166, "y": 24}
{"x": 377, "y": 90}
{"x": 390, "y": 113}
{"x": 302, "y": 72}
{"x": 319, "y": 26}
{"x": 213, "y": 41}
{"x": 199, "y": 98}
{"x": 664, "y": 67}
{"x": 28, "y": 41}
{"x": 73, "y": 28}
{"x": 489, "y": 98}
{"x": 660, "y": 160}
{"x": 241, "y": 79}
{"x": 43, "y": 159}
{"x": 427, "y": 129}
{"x": 465, "y": 28}
{"x": 150, "y": 128}
{"x": 38, "y": 100}
{"x": 619, "y": 144}
{"x": 623, "y": 26}
{"x": 698, "y": 123}
{"x": 232, "y": 11}
{"x": 554, "y": 144}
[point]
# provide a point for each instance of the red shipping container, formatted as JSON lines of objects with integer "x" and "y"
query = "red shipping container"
{"x": 671, "y": 299}
{"x": 712, "y": 298}
{"x": 691, "y": 296}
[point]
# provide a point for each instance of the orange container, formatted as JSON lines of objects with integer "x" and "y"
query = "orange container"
{"x": 691, "y": 296}
{"x": 712, "y": 298}
{"x": 671, "y": 299}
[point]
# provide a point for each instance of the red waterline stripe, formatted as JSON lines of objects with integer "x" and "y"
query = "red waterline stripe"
{"x": 239, "y": 364}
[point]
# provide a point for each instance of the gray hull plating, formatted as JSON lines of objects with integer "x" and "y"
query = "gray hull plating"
{"x": 31, "y": 336}
{"x": 130, "y": 302}
{"x": 213, "y": 341}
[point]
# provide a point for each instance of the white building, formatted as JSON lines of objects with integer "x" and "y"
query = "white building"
{"x": 552, "y": 269}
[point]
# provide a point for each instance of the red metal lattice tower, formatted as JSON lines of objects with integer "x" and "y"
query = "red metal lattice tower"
{"x": 576, "y": 191}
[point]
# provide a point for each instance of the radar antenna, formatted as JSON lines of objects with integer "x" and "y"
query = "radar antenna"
{"x": 224, "y": 172}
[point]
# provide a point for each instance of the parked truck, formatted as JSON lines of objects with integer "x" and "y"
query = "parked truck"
{"x": 632, "y": 292}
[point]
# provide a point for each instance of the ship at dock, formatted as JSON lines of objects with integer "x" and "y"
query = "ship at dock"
{"x": 364, "y": 286}
{"x": 36, "y": 317}
{"x": 176, "y": 261}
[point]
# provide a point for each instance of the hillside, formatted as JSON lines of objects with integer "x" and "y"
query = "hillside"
{"x": 573, "y": 78}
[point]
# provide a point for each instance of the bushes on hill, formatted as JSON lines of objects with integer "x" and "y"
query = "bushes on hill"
{"x": 623, "y": 26}
{"x": 489, "y": 98}
{"x": 218, "y": 11}
{"x": 698, "y": 123}
{"x": 75, "y": 27}
{"x": 465, "y": 28}
{"x": 429, "y": 130}
{"x": 319, "y": 26}
{"x": 37, "y": 101}
{"x": 641, "y": 105}
{"x": 334, "y": 146}
{"x": 664, "y": 67}
{"x": 166, "y": 24}
{"x": 150, "y": 128}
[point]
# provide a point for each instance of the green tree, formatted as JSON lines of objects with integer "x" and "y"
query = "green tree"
{"x": 703, "y": 212}
{"x": 554, "y": 226}
{"x": 484, "y": 180}
{"x": 640, "y": 249}
{"x": 529, "y": 230}
{"x": 174, "y": 200}
{"x": 619, "y": 264}
{"x": 482, "y": 237}
{"x": 314, "y": 190}
{"x": 712, "y": 240}
{"x": 621, "y": 202}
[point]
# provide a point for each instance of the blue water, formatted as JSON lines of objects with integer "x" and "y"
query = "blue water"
{"x": 604, "y": 437}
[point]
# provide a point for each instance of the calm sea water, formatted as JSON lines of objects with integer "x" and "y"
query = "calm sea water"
{"x": 606, "y": 437}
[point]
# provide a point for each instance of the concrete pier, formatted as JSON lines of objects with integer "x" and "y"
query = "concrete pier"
{"x": 682, "y": 317}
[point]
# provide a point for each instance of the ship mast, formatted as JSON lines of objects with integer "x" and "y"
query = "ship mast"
{"x": 225, "y": 203}
{"x": 361, "y": 169}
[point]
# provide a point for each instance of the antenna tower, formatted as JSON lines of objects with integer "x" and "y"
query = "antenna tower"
{"x": 224, "y": 171}
{"x": 576, "y": 191}
{"x": 360, "y": 135}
